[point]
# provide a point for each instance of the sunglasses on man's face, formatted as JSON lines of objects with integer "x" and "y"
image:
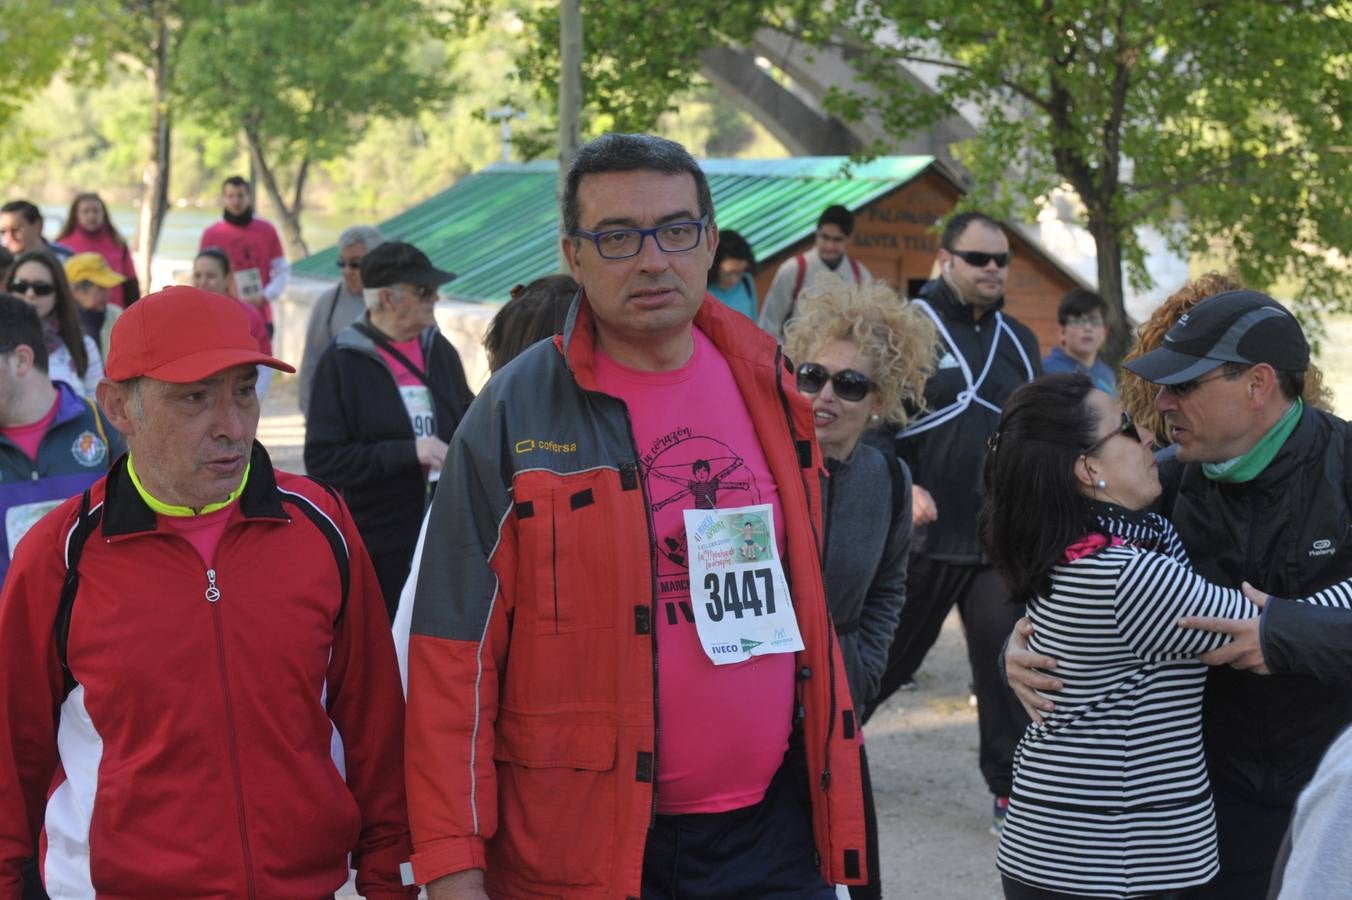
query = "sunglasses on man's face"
{"x": 848, "y": 384}
{"x": 349, "y": 264}
{"x": 1126, "y": 428}
{"x": 40, "y": 288}
{"x": 981, "y": 260}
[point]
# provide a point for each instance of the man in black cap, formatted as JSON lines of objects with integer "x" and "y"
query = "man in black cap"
{"x": 1261, "y": 495}
{"x": 388, "y": 394}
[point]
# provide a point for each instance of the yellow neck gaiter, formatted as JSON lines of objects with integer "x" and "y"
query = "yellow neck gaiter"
{"x": 167, "y": 509}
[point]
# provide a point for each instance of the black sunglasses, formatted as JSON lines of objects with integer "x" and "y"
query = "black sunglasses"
{"x": 41, "y": 288}
{"x": 981, "y": 260}
{"x": 848, "y": 384}
{"x": 349, "y": 264}
{"x": 1127, "y": 428}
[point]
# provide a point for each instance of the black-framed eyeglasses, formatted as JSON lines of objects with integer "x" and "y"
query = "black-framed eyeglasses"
{"x": 622, "y": 243}
{"x": 1127, "y": 428}
{"x": 349, "y": 264}
{"x": 40, "y": 288}
{"x": 849, "y": 384}
{"x": 981, "y": 260}
{"x": 424, "y": 291}
{"x": 1091, "y": 321}
{"x": 1184, "y": 388}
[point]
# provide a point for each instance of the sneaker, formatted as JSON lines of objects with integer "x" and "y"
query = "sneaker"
{"x": 908, "y": 685}
{"x": 1001, "y": 808}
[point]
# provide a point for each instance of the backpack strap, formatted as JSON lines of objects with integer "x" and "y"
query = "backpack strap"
{"x": 898, "y": 480}
{"x": 332, "y": 533}
{"x": 85, "y": 524}
{"x": 799, "y": 278}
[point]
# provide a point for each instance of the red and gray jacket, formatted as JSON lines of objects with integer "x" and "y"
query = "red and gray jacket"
{"x": 231, "y": 731}
{"x": 532, "y": 728}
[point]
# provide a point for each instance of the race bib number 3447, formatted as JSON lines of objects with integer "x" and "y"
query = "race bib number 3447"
{"x": 738, "y": 591}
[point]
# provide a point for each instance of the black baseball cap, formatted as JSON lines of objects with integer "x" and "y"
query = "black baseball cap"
{"x": 396, "y": 262}
{"x": 1237, "y": 326}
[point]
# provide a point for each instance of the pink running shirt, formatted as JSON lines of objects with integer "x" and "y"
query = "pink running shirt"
{"x": 203, "y": 532}
{"x": 722, "y": 730}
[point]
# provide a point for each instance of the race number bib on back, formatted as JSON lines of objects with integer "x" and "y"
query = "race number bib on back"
{"x": 738, "y": 591}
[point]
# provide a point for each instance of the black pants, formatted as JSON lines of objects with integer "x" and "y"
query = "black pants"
{"x": 1017, "y": 890}
{"x": 988, "y": 617}
{"x": 763, "y": 851}
{"x": 32, "y": 882}
{"x": 392, "y": 568}
{"x": 1250, "y": 835}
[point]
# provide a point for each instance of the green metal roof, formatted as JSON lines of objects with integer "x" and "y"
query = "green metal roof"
{"x": 500, "y": 227}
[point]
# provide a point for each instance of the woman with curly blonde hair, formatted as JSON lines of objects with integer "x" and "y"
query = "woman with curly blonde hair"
{"x": 863, "y": 357}
{"x": 1138, "y": 395}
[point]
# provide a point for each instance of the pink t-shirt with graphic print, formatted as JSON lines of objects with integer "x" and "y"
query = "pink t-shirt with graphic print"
{"x": 722, "y": 730}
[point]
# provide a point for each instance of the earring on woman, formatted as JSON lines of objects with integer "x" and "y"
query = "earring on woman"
{"x": 1100, "y": 484}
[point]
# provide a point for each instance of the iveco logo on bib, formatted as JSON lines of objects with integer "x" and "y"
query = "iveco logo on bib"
{"x": 1322, "y": 547}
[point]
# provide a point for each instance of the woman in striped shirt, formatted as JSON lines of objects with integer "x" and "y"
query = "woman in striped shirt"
{"x": 1111, "y": 797}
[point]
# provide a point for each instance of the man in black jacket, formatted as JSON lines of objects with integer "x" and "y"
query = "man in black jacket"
{"x": 983, "y": 356}
{"x": 388, "y": 394}
{"x": 1262, "y": 497}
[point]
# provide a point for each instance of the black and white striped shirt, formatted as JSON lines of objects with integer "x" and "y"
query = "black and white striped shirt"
{"x": 1111, "y": 797}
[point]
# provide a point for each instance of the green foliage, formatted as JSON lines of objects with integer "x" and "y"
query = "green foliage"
{"x": 640, "y": 60}
{"x": 306, "y": 76}
{"x": 1220, "y": 124}
{"x": 35, "y": 36}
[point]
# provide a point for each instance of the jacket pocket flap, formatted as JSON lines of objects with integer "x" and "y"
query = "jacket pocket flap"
{"x": 542, "y": 742}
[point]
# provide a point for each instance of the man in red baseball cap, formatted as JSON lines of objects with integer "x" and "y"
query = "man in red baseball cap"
{"x": 198, "y": 692}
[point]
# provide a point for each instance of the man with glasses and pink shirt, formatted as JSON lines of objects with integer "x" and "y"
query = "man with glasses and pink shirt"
{"x": 984, "y": 355}
{"x": 589, "y": 712}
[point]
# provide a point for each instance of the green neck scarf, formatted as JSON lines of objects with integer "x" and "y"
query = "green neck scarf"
{"x": 1246, "y": 467}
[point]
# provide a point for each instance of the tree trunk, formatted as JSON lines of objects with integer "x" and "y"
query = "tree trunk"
{"x": 570, "y": 91}
{"x": 290, "y": 215}
{"x": 1108, "y": 244}
{"x": 155, "y": 177}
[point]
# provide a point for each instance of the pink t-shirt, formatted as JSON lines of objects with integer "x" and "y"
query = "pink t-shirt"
{"x": 723, "y": 730}
{"x": 203, "y": 532}
{"x": 29, "y": 437}
{"x": 251, "y": 247}
{"x": 118, "y": 256}
{"x": 412, "y": 350}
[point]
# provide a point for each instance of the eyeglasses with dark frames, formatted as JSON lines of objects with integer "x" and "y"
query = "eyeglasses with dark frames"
{"x": 849, "y": 384}
{"x": 1127, "y": 428}
{"x": 349, "y": 264}
{"x": 981, "y": 260}
{"x": 622, "y": 243}
{"x": 1184, "y": 388}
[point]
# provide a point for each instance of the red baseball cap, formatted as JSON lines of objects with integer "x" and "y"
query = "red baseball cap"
{"x": 182, "y": 334}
